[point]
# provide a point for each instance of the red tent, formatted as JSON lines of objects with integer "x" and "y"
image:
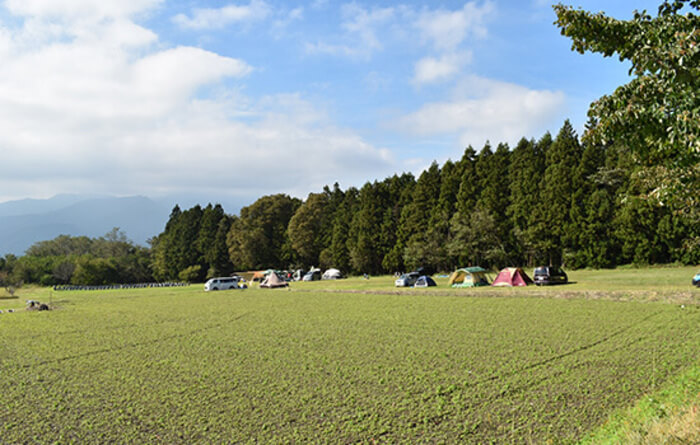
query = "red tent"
{"x": 511, "y": 276}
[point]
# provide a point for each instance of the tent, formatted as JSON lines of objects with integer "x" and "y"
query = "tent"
{"x": 332, "y": 274}
{"x": 424, "y": 281}
{"x": 512, "y": 276}
{"x": 273, "y": 280}
{"x": 468, "y": 277}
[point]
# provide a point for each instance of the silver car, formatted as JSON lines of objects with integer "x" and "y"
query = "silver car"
{"x": 406, "y": 280}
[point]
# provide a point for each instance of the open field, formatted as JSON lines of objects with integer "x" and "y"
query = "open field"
{"x": 352, "y": 361}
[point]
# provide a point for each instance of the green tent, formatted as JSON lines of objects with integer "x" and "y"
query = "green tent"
{"x": 468, "y": 277}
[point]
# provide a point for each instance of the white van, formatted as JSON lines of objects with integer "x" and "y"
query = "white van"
{"x": 222, "y": 283}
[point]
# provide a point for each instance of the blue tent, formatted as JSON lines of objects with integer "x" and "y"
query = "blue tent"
{"x": 424, "y": 281}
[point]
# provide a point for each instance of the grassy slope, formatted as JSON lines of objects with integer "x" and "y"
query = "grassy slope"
{"x": 669, "y": 415}
{"x": 179, "y": 365}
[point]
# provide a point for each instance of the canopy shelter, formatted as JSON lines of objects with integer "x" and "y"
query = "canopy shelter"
{"x": 425, "y": 281}
{"x": 512, "y": 276}
{"x": 273, "y": 280}
{"x": 468, "y": 277}
{"x": 258, "y": 276}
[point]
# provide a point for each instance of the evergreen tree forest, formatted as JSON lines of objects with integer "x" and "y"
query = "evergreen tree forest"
{"x": 548, "y": 201}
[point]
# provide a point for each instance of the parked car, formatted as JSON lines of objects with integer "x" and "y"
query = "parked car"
{"x": 696, "y": 280}
{"x": 222, "y": 283}
{"x": 407, "y": 279}
{"x": 549, "y": 275}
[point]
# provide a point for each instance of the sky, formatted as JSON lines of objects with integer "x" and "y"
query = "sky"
{"x": 233, "y": 100}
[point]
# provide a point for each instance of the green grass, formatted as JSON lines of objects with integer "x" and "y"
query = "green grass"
{"x": 348, "y": 361}
{"x": 671, "y": 284}
{"x": 669, "y": 415}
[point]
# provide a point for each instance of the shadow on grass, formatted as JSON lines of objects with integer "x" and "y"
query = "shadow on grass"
{"x": 8, "y": 297}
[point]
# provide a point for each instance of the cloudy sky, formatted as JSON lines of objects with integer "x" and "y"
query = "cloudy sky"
{"x": 239, "y": 99}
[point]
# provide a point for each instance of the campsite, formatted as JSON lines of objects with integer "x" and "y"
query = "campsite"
{"x": 351, "y": 360}
{"x": 350, "y": 222}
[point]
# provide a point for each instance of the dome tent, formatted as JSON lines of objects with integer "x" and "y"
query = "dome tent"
{"x": 468, "y": 277}
{"x": 332, "y": 274}
{"x": 425, "y": 281}
{"x": 512, "y": 276}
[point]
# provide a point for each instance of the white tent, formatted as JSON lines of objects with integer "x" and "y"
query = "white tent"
{"x": 332, "y": 274}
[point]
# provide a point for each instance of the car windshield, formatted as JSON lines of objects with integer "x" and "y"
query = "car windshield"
{"x": 541, "y": 271}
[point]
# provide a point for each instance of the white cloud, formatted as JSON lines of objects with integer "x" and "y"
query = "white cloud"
{"x": 362, "y": 23}
{"x": 482, "y": 109}
{"x": 71, "y": 9}
{"x": 208, "y": 18}
{"x": 362, "y": 28}
{"x": 430, "y": 69}
{"x": 446, "y": 30}
{"x": 289, "y": 17}
{"x": 367, "y": 31}
{"x": 99, "y": 105}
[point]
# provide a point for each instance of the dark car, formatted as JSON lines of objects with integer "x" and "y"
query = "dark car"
{"x": 550, "y": 275}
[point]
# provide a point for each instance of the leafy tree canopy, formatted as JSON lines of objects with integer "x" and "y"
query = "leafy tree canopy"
{"x": 657, "y": 114}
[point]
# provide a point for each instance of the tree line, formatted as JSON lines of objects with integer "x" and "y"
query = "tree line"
{"x": 551, "y": 201}
{"x": 109, "y": 259}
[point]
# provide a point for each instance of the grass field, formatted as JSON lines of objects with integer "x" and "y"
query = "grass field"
{"x": 349, "y": 361}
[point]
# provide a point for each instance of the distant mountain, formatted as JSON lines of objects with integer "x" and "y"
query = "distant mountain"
{"x": 24, "y": 222}
{"x": 34, "y": 206}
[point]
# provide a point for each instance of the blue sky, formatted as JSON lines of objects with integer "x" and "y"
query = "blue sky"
{"x": 228, "y": 101}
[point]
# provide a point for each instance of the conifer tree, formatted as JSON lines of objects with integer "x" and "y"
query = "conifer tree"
{"x": 525, "y": 175}
{"x": 534, "y": 239}
{"x": 467, "y": 196}
{"x": 400, "y": 190}
{"x": 339, "y": 250}
{"x": 205, "y": 244}
{"x": 217, "y": 255}
{"x": 577, "y": 236}
{"x": 495, "y": 197}
{"x": 363, "y": 236}
{"x": 562, "y": 159}
{"x": 416, "y": 216}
